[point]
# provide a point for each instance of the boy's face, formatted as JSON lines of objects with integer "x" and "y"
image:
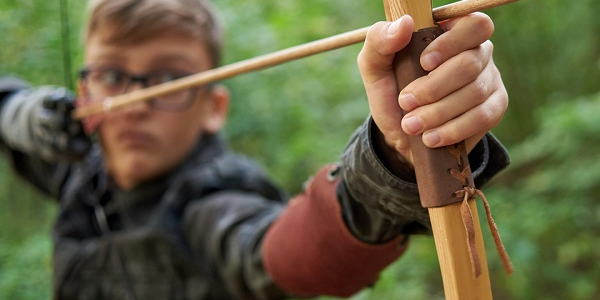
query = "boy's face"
{"x": 140, "y": 142}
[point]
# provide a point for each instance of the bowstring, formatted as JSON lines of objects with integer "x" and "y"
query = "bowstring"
{"x": 66, "y": 43}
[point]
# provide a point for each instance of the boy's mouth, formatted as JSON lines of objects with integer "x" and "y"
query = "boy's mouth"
{"x": 135, "y": 139}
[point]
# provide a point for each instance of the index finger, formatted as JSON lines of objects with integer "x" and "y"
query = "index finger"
{"x": 461, "y": 34}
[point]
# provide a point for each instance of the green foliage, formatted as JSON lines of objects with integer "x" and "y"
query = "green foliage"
{"x": 276, "y": 115}
{"x": 295, "y": 117}
{"x": 25, "y": 269}
{"x": 548, "y": 53}
{"x": 34, "y": 46}
{"x": 548, "y": 206}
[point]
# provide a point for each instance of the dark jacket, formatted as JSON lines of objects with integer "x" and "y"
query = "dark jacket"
{"x": 197, "y": 232}
{"x": 166, "y": 239}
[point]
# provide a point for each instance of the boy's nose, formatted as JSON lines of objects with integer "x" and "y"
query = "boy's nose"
{"x": 137, "y": 107}
{"x": 136, "y": 85}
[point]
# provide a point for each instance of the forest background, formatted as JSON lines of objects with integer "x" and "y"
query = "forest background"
{"x": 295, "y": 117}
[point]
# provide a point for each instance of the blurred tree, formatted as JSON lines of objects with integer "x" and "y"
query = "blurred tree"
{"x": 549, "y": 53}
{"x": 549, "y": 205}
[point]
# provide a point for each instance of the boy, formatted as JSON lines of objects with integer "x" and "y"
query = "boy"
{"x": 156, "y": 207}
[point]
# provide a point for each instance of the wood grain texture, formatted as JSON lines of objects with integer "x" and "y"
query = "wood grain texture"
{"x": 453, "y": 254}
{"x": 448, "y": 227}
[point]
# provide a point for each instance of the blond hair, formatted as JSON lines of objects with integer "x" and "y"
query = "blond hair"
{"x": 139, "y": 20}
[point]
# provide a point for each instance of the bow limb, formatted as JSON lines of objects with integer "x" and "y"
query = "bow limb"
{"x": 463, "y": 265}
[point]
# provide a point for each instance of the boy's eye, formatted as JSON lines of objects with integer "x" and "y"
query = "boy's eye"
{"x": 112, "y": 78}
{"x": 161, "y": 77}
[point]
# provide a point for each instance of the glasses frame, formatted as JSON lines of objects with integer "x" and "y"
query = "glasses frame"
{"x": 143, "y": 79}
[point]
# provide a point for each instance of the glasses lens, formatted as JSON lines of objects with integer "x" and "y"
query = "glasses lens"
{"x": 173, "y": 101}
{"x": 106, "y": 82}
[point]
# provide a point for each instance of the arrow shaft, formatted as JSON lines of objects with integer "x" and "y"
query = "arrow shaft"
{"x": 269, "y": 60}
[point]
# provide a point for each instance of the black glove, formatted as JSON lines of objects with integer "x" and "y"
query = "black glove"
{"x": 58, "y": 129}
{"x": 38, "y": 121}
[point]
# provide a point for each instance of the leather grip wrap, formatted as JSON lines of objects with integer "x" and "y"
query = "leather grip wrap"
{"x": 432, "y": 166}
{"x": 309, "y": 251}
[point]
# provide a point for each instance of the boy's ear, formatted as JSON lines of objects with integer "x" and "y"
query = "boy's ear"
{"x": 219, "y": 108}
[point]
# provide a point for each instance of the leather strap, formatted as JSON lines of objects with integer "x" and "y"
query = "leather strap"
{"x": 436, "y": 183}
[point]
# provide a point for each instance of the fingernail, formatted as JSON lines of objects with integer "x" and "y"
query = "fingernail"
{"x": 431, "y": 60}
{"x": 412, "y": 125}
{"x": 431, "y": 138}
{"x": 407, "y": 101}
{"x": 395, "y": 26}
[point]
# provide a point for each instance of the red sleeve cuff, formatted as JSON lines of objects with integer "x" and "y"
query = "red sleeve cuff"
{"x": 309, "y": 251}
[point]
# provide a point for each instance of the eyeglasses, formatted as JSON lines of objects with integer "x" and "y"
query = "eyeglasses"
{"x": 102, "y": 82}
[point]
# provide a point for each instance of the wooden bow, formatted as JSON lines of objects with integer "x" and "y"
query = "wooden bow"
{"x": 444, "y": 178}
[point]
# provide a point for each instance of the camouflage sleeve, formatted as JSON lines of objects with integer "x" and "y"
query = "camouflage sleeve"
{"x": 15, "y": 137}
{"x": 15, "y": 126}
{"x": 225, "y": 232}
{"x": 378, "y": 205}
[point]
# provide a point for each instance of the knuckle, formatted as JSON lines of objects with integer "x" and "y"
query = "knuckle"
{"x": 360, "y": 60}
{"x": 481, "y": 91}
{"x": 505, "y": 102}
{"x": 378, "y": 26}
{"x": 488, "y": 46}
{"x": 486, "y": 117}
{"x": 470, "y": 65}
{"x": 501, "y": 108}
{"x": 501, "y": 99}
